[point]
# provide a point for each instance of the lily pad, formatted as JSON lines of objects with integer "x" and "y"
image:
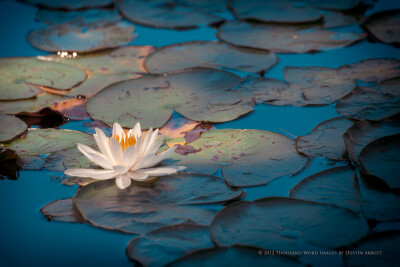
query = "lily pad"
{"x": 325, "y": 140}
{"x": 333, "y": 4}
{"x": 70, "y": 4}
{"x": 144, "y": 207}
{"x": 68, "y": 158}
{"x": 364, "y": 132}
{"x": 30, "y": 162}
{"x": 208, "y": 54}
{"x": 380, "y": 159}
{"x": 285, "y": 38}
{"x": 165, "y": 14}
{"x": 72, "y": 38}
{"x": 379, "y": 249}
{"x": 21, "y": 77}
{"x": 277, "y": 223}
{"x": 197, "y": 94}
{"x": 9, "y": 167}
{"x": 11, "y": 127}
{"x": 385, "y": 26}
{"x": 234, "y": 256}
{"x": 208, "y": 6}
{"x": 245, "y": 157}
{"x": 62, "y": 211}
{"x": 167, "y": 244}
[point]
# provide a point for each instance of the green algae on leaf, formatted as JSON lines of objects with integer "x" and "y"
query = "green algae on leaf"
{"x": 197, "y": 94}
{"x": 144, "y": 207}
{"x": 277, "y": 223}
{"x": 245, "y": 157}
{"x": 167, "y": 244}
{"x": 11, "y": 127}
{"x": 208, "y": 54}
{"x": 70, "y": 4}
{"x": 62, "y": 211}
{"x": 385, "y": 26}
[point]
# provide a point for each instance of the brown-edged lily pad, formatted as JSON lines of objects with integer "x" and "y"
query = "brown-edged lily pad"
{"x": 385, "y": 26}
{"x": 21, "y": 77}
{"x": 325, "y": 140}
{"x": 164, "y": 14}
{"x": 11, "y": 127}
{"x": 208, "y": 54}
{"x": 61, "y": 210}
{"x": 245, "y": 157}
{"x": 277, "y": 223}
{"x": 144, "y": 207}
{"x": 72, "y": 38}
{"x": 285, "y": 38}
{"x": 197, "y": 94}
{"x": 70, "y": 4}
{"x": 167, "y": 244}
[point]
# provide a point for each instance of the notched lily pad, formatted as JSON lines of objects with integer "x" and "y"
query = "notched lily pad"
{"x": 22, "y": 77}
{"x": 11, "y": 127}
{"x": 70, "y": 4}
{"x": 245, "y": 157}
{"x": 385, "y": 26}
{"x": 62, "y": 210}
{"x": 167, "y": 244}
{"x": 144, "y": 207}
{"x": 197, "y": 94}
{"x": 325, "y": 140}
{"x": 165, "y": 14}
{"x": 208, "y": 54}
{"x": 72, "y": 38}
{"x": 285, "y": 38}
{"x": 277, "y": 223}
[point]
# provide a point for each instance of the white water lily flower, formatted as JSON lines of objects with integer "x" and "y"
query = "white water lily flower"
{"x": 125, "y": 156}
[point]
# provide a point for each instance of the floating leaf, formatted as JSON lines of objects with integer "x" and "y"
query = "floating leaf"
{"x": 209, "y": 6}
{"x": 11, "y": 127}
{"x": 208, "y": 54}
{"x": 385, "y": 26}
{"x": 276, "y": 223}
{"x": 145, "y": 207}
{"x": 8, "y": 162}
{"x": 285, "y": 38}
{"x": 30, "y": 162}
{"x": 197, "y": 94}
{"x": 61, "y": 210}
{"x": 333, "y": 4}
{"x": 234, "y": 256}
{"x": 381, "y": 249}
{"x": 70, "y": 4}
{"x": 72, "y": 38}
{"x": 380, "y": 158}
{"x": 68, "y": 158}
{"x": 22, "y": 76}
{"x": 364, "y": 132}
{"x": 167, "y": 244}
{"x": 164, "y": 14}
{"x": 245, "y": 157}
{"x": 325, "y": 140}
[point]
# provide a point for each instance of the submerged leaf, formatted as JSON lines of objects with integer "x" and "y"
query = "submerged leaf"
{"x": 61, "y": 210}
{"x": 385, "y": 26}
{"x": 11, "y": 127}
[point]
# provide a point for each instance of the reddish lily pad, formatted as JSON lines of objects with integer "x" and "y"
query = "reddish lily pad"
{"x": 285, "y": 38}
{"x": 380, "y": 159}
{"x": 165, "y": 14}
{"x": 385, "y": 26}
{"x": 197, "y": 94}
{"x": 277, "y": 223}
{"x": 325, "y": 140}
{"x": 21, "y": 77}
{"x": 11, "y": 127}
{"x": 145, "y": 207}
{"x": 167, "y": 244}
{"x": 72, "y": 38}
{"x": 62, "y": 211}
{"x": 208, "y": 54}
{"x": 70, "y": 4}
{"x": 245, "y": 157}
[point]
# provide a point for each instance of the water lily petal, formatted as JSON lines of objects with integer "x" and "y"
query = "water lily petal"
{"x": 95, "y": 156}
{"x": 130, "y": 156}
{"x": 151, "y": 141}
{"x": 123, "y": 181}
{"x": 138, "y": 176}
{"x": 160, "y": 157}
{"x": 146, "y": 141}
{"x": 137, "y": 131}
{"x": 92, "y": 173}
{"x": 102, "y": 143}
{"x": 117, "y": 132}
{"x": 156, "y": 146}
{"x": 120, "y": 169}
{"x": 161, "y": 171}
{"x": 116, "y": 151}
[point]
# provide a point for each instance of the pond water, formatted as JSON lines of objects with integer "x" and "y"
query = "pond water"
{"x": 28, "y": 239}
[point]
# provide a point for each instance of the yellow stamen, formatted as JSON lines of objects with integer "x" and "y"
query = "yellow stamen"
{"x": 129, "y": 141}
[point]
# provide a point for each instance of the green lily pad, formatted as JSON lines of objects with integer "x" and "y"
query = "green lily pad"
{"x": 70, "y": 4}
{"x": 197, "y": 94}
{"x": 379, "y": 249}
{"x": 282, "y": 38}
{"x": 208, "y": 54}
{"x": 11, "y": 127}
{"x": 364, "y": 132}
{"x": 325, "y": 140}
{"x": 245, "y": 157}
{"x": 277, "y": 223}
{"x": 167, "y": 244}
{"x": 144, "y": 207}
{"x": 380, "y": 159}
{"x": 72, "y": 38}
{"x": 22, "y": 76}
{"x": 68, "y": 158}
{"x": 62, "y": 211}
{"x": 385, "y": 26}
{"x": 30, "y": 162}
{"x": 234, "y": 256}
{"x": 165, "y": 14}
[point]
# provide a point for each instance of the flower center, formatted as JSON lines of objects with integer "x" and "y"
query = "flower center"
{"x": 127, "y": 142}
